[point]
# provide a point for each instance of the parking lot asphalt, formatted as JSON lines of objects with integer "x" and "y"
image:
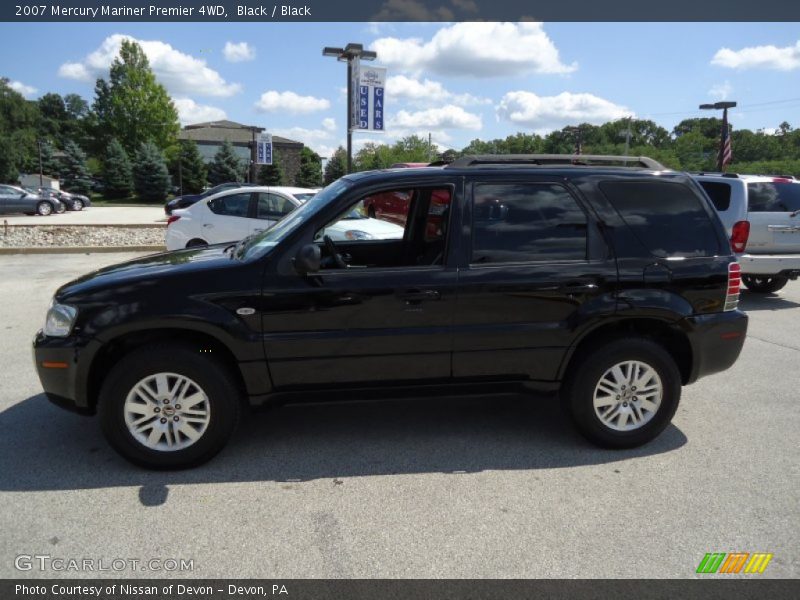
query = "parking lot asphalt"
{"x": 428, "y": 487}
{"x": 95, "y": 215}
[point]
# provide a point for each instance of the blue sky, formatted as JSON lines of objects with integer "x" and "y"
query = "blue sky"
{"x": 457, "y": 81}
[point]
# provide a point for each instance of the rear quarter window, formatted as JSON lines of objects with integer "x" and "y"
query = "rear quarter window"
{"x": 669, "y": 219}
{"x": 719, "y": 193}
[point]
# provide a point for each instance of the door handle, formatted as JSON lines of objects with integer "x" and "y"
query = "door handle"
{"x": 417, "y": 296}
{"x": 207, "y": 225}
{"x": 578, "y": 287}
{"x": 257, "y": 230}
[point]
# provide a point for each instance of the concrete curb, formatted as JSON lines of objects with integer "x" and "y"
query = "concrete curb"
{"x": 79, "y": 249}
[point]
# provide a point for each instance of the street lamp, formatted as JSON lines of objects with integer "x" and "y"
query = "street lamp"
{"x": 724, "y": 106}
{"x": 352, "y": 54}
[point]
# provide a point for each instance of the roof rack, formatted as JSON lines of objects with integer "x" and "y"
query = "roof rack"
{"x": 555, "y": 159}
{"x": 716, "y": 174}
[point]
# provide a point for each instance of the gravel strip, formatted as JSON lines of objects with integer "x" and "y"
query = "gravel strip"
{"x": 66, "y": 236}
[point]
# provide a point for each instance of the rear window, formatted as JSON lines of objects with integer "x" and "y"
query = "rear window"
{"x": 669, "y": 219}
{"x": 773, "y": 197}
{"x": 720, "y": 194}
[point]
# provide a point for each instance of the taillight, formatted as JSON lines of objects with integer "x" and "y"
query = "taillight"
{"x": 739, "y": 235}
{"x": 172, "y": 219}
{"x": 734, "y": 285}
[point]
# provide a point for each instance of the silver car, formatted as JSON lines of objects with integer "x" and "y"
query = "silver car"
{"x": 14, "y": 199}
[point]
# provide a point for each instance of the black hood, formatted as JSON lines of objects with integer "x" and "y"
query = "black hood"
{"x": 151, "y": 269}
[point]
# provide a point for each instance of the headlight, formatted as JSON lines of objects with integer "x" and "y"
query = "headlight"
{"x": 357, "y": 234}
{"x": 60, "y": 319}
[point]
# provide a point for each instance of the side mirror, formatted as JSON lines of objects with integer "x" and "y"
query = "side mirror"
{"x": 308, "y": 259}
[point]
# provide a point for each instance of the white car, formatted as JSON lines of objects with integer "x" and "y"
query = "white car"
{"x": 232, "y": 214}
{"x": 356, "y": 226}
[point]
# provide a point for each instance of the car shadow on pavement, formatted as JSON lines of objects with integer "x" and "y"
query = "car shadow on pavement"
{"x": 750, "y": 302}
{"x": 46, "y": 448}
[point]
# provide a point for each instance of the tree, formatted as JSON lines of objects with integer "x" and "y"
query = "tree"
{"x": 271, "y": 174}
{"x": 337, "y": 165}
{"x": 117, "y": 171}
{"x": 150, "y": 174}
{"x": 9, "y": 173}
{"x": 75, "y": 173}
{"x": 132, "y": 106}
{"x": 310, "y": 173}
{"x": 50, "y": 164}
{"x": 226, "y": 166}
{"x": 187, "y": 167}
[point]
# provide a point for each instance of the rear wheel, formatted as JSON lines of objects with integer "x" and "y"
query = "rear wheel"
{"x": 44, "y": 209}
{"x": 168, "y": 407}
{"x": 764, "y": 284}
{"x": 624, "y": 393}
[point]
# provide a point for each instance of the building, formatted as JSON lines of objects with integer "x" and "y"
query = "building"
{"x": 210, "y": 136}
{"x": 35, "y": 181}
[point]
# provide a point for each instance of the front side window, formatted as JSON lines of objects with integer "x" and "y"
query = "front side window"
{"x": 392, "y": 228}
{"x": 526, "y": 222}
{"x": 272, "y": 206}
{"x": 233, "y": 205}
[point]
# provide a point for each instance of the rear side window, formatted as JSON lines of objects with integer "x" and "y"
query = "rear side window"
{"x": 668, "y": 218}
{"x": 234, "y": 205}
{"x": 526, "y": 222}
{"x": 720, "y": 194}
{"x": 773, "y": 197}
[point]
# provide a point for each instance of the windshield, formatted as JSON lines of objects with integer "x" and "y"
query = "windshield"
{"x": 264, "y": 242}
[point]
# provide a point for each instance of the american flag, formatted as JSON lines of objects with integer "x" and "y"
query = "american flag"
{"x": 725, "y": 152}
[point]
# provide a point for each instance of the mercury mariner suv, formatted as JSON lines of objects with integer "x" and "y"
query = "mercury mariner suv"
{"x": 615, "y": 285}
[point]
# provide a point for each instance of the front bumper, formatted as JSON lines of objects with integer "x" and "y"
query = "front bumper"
{"x": 716, "y": 340}
{"x": 62, "y": 365}
{"x": 787, "y": 265}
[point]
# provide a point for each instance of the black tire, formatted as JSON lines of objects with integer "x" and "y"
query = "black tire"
{"x": 44, "y": 209}
{"x": 371, "y": 212}
{"x": 588, "y": 369}
{"x": 196, "y": 243}
{"x": 215, "y": 380}
{"x": 77, "y": 205}
{"x": 764, "y": 284}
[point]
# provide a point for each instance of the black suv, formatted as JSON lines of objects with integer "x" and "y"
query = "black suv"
{"x": 614, "y": 284}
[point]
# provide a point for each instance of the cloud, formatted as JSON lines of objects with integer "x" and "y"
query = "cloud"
{"x": 329, "y": 124}
{"x": 290, "y": 102}
{"x": 321, "y": 140}
{"x": 446, "y": 117}
{"x": 74, "y": 71}
{"x": 546, "y": 113}
{"x": 180, "y": 73}
{"x": 240, "y": 52}
{"x": 759, "y": 57}
{"x": 25, "y": 90}
{"x": 415, "y": 91}
{"x": 190, "y": 111}
{"x": 721, "y": 91}
{"x": 477, "y": 49}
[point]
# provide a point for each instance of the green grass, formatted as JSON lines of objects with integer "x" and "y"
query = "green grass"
{"x": 98, "y": 200}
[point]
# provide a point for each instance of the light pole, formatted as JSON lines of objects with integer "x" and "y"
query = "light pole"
{"x": 724, "y": 138}
{"x": 352, "y": 54}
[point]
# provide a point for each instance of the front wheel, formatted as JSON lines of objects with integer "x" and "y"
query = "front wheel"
{"x": 624, "y": 393}
{"x": 77, "y": 205}
{"x": 168, "y": 407}
{"x": 764, "y": 284}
